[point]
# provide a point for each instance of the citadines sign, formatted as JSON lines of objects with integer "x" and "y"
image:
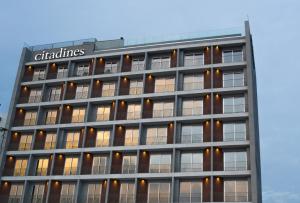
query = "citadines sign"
{"x": 62, "y": 53}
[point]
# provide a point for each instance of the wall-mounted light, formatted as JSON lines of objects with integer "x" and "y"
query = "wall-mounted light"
{"x": 127, "y": 56}
{"x": 171, "y": 124}
{"x": 206, "y": 122}
{"x": 217, "y": 150}
{"x": 206, "y": 180}
{"x": 21, "y": 110}
{"x": 91, "y": 129}
{"x": 29, "y": 67}
{"x": 68, "y": 107}
{"x": 218, "y": 179}
{"x": 207, "y": 72}
{"x": 117, "y": 154}
{"x": 71, "y": 84}
{"x": 88, "y": 155}
{"x": 150, "y": 76}
{"x": 122, "y": 102}
{"x": 207, "y": 96}
{"x": 218, "y": 71}
{"x": 53, "y": 64}
{"x": 142, "y": 181}
{"x": 148, "y": 100}
{"x": 60, "y": 156}
{"x": 217, "y": 96}
{"x": 25, "y": 88}
{"x": 125, "y": 79}
{"x": 97, "y": 82}
{"x": 144, "y": 153}
{"x": 101, "y": 59}
{"x": 207, "y": 48}
{"x": 41, "y": 132}
{"x": 218, "y": 122}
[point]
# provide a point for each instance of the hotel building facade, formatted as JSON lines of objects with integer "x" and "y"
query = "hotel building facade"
{"x": 102, "y": 121}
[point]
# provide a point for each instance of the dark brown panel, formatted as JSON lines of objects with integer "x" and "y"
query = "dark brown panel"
{"x": 28, "y": 74}
{"x": 24, "y": 94}
{"x": 206, "y": 131}
{"x": 4, "y": 191}
{"x": 59, "y": 164}
{"x": 19, "y": 117}
{"x": 97, "y": 89}
{"x": 170, "y": 134}
{"x": 55, "y": 190}
{"x": 149, "y": 84}
{"x": 148, "y": 108}
{"x": 67, "y": 114}
{"x": 114, "y": 191}
{"x": 218, "y": 131}
{"x": 100, "y": 66}
{"x": 218, "y": 104}
{"x": 124, "y": 86}
{"x": 217, "y": 54}
{"x": 119, "y": 136}
{"x": 52, "y": 73}
{"x": 207, "y": 160}
{"x": 206, "y": 105}
{"x": 207, "y": 55}
{"x": 9, "y": 166}
{"x": 90, "y": 138}
{"x": 116, "y": 164}
{"x": 112, "y": 111}
{"x": 144, "y": 161}
{"x": 127, "y": 63}
{"x": 87, "y": 163}
{"x": 142, "y": 191}
{"x": 218, "y": 159}
{"x": 103, "y": 192}
{"x": 218, "y": 79}
{"x": 71, "y": 91}
{"x": 14, "y": 141}
{"x": 218, "y": 189}
{"x": 174, "y": 58}
{"x": 206, "y": 190}
{"x": 122, "y": 110}
{"x": 207, "y": 79}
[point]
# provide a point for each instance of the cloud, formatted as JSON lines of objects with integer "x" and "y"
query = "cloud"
{"x": 280, "y": 197}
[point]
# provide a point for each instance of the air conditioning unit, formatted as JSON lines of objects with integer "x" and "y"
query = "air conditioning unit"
{"x": 107, "y": 70}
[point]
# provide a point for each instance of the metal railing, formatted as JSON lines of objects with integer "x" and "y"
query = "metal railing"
{"x": 99, "y": 170}
{"x": 235, "y": 196}
{"x": 41, "y": 172}
{"x": 192, "y": 197}
{"x": 50, "y": 120}
{"x": 128, "y": 168}
{"x": 19, "y": 172}
{"x": 103, "y": 117}
{"x": 233, "y": 57}
{"x": 234, "y": 136}
{"x": 93, "y": 198}
{"x": 192, "y": 138}
{"x": 235, "y": 166}
{"x": 72, "y": 144}
{"x": 161, "y": 113}
{"x": 164, "y": 88}
{"x": 67, "y": 199}
{"x": 156, "y": 140}
{"x": 193, "y": 86}
{"x": 238, "y": 82}
{"x": 160, "y": 197}
{"x": 38, "y": 199}
{"x": 13, "y": 199}
{"x": 196, "y": 111}
{"x": 108, "y": 93}
{"x": 159, "y": 168}
{"x": 127, "y": 198}
{"x": 191, "y": 167}
{"x": 238, "y": 108}
{"x": 24, "y": 146}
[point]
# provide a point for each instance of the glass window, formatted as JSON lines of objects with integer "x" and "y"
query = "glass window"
{"x": 233, "y": 104}
{"x": 133, "y": 111}
{"x": 136, "y": 87}
{"x": 55, "y": 94}
{"x": 102, "y": 139}
{"x": 72, "y": 140}
{"x": 20, "y": 167}
{"x": 50, "y": 141}
{"x": 62, "y": 72}
{"x": 157, "y": 135}
{"x": 78, "y": 115}
{"x": 103, "y": 113}
{"x": 108, "y": 89}
{"x": 235, "y": 161}
{"x": 111, "y": 67}
{"x": 234, "y": 131}
{"x": 25, "y": 142}
{"x": 99, "y": 165}
{"x": 192, "y": 107}
{"x": 230, "y": 56}
{"x": 71, "y": 164}
{"x": 161, "y": 62}
{"x": 131, "y": 136}
{"x": 30, "y": 118}
{"x": 35, "y": 96}
{"x": 163, "y": 109}
{"x": 159, "y": 193}
{"x": 129, "y": 164}
{"x": 193, "y": 82}
{"x": 164, "y": 85}
{"x": 127, "y": 193}
{"x": 42, "y": 167}
{"x": 38, "y": 74}
{"x": 67, "y": 194}
{"x": 83, "y": 70}
{"x": 236, "y": 191}
{"x": 194, "y": 59}
{"x": 191, "y": 162}
{"x": 51, "y": 117}
{"x": 38, "y": 193}
{"x": 233, "y": 79}
{"x": 94, "y": 193}
{"x": 190, "y": 192}
{"x": 160, "y": 163}
{"x": 15, "y": 193}
{"x": 82, "y": 91}
{"x": 192, "y": 134}
{"x": 138, "y": 64}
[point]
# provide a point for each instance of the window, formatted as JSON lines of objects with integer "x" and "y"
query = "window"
{"x": 62, "y": 72}
{"x": 55, "y": 94}
{"x": 236, "y": 191}
{"x": 129, "y": 164}
{"x": 83, "y": 70}
{"x": 108, "y": 89}
{"x": 133, "y": 111}
{"x": 231, "y": 56}
{"x": 38, "y": 74}
{"x": 30, "y": 118}
{"x": 20, "y": 167}
{"x": 160, "y": 62}
{"x": 51, "y": 117}
{"x": 72, "y": 140}
{"x": 103, "y": 113}
{"x": 78, "y": 115}
{"x": 67, "y": 194}
{"x": 192, "y": 107}
{"x": 71, "y": 164}
{"x": 190, "y": 192}
{"x": 82, "y": 91}
{"x": 94, "y": 193}
{"x": 136, "y": 87}
{"x": 25, "y": 142}
{"x": 127, "y": 193}
{"x": 42, "y": 167}
{"x": 194, "y": 59}
{"x": 160, "y": 163}
{"x": 102, "y": 139}
{"x": 131, "y": 137}
{"x": 233, "y": 104}
{"x": 193, "y": 82}
{"x": 235, "y": 161}
{"x": 164, "y": 85}
{"x": 50, "y": 141}
{"x": 35, "y": 96}
{"x": 111, "y": 67}
{"x": 99, "y": 165}
{"x": 38, "y": 193}
{"x": 138, "y": 64}
{"x": 157, "y": 135}
{"x": 191, "y": 162}
{"x": 163, "y": 109}
{"x": 233, "y": 79}
{"x": 159, "y": 193}
{"x": 234, "y": 131}
{"x": 15, "y": 193}
{"x": 192, "y": 134}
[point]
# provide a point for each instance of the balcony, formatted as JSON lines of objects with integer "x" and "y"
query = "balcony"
{"x": 191, "y": 167}
{"x": 159, "y": 168}
{"x": 235, "y": 165}
{"x": 193, "y": 197}
{"x": 128, "y": 168}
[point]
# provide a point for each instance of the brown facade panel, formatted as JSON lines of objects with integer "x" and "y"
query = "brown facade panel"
{"x": 142, "y": 191}
{"x": 148, "y": 108}
{"x": 149, "y": 84}
{"x": 59, "y": 163}
{"x": 116, "y": 164}
{"x": 9, "y": 166}
{"x": 218, "y": 159}
{"x": 207, "y": 159}
{"x": 127, "y": 61}
{"x": 67, "y": 114}
{"x": 170, "y": 133}
{"x": 207, "y": 79}
{"x": 55, "y": 190}
{"x": 218, "y": 189}
{"x": 218, "y": 78}
{"x": 90, "y": 138}
{"x": 218, "y": 131}
{"x": 87, "y": 163}
{"x": 124, "y": 86}
{"x": 144, "y": 161}
{"x": 97, "y": 88}
{"x": 218, "y": 104}
{"x": 206, "y": 131}
{"x": 119, "y": 138}
{"x": 114, "y": 190}
{"x": 206, "y": 190}
{"x": 28, "y": 74}
{"x": 122, "y": 110}
{"x": 217, "y": 54}
{"x": 14, "y": 141}
{"x": 207, "y": 55}
{"x": 173, "y": 58}
{"x": 4, "y": 191}
{"x": 207, "y": 105}
{"x": 100, "y": 64}
{"x": 71, "y": 91}
{"x": 103, "y": 192}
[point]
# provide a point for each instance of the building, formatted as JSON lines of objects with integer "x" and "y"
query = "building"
{"x": 102, "y": 121}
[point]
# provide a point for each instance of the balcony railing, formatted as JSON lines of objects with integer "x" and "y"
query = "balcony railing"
{"x": 135, "y": 90}
{"x": 72, "y": 144}
{"x": 12, "y": 199}
{"x": 234, "y": 136}
{"x": 65, "y": 171}
{"x": 190, "y": 197}
{"x": 235, "y": 165}
{"x": 233, "y": 57}
{"x": 38, "y": 199}
{"x": 95, "y": 198}
{"x": 99, "y": 169}
{"x": 28, "y": 122}
{"x": 67, "y": 199}
{"x": 164, "y": 88}
{"x": 108, "y": 93}
{"x": 193, "y": 86}
{"x": 160, "y": 197}
{"x": 191, "y": 167}
{"x": 159, "y": 168}
{"x": 20, "y": 172}
{"x": 128, "y": 168}
{"x": 238, "y": 108}
{"x": 127, "y": 198}
{"x": 163, "y": 113}
{"x": 192, "y": 138}
{"x": 103, "y": 117}
{"x": 238, "y": 82}
{"x": 41, "y": 172}
{"x": 156, "y": 140}
{"x": 232, "y": 196}
{"x": 133, "y": 115}
{"x": 34, "y": 99}
{"x": 196, "y": 111}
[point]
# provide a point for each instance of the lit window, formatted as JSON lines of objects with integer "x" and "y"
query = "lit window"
{"x": 163, "y": 109}
{"x": 235, "y": 191}
{"x": 136, "y": 87}
{"x": 129, "y": 164}
{"x": 133, "y": 111}
{"x": 94, "y": 193}
{"x": 127, "y": 193}
{"x": 192, "y": 107}
{"x": 78, "y": 115}
{"x": 194, "y": 59}
{"x": 233, "y": 104}
{"x": 50, "y": 141}
{"x": 165, "y": 85}
{"x": 38, "y": 74}
{"x": 102, "y": 139}
{"x": 190, "y": 192}
{"x": 191, "y": 162}
{"x": 55, "y": 94}
{"x": 25, "y": 142}
{"x": 160, "y": 163}
{"x": 20, "y": 167}
{"x": 51, "y": 117}
{"x": 156, "y": 135}
{"x": 192, "y": 134}
{"x": 38, "y": 193}
{"x": 103, "y": 113}
{"x": 67, "y": 194}
{"x": 42, "y": 167}
{"x": 15, "y": 193}
{"x": 99, "y": 165}
{"x": 193, "y": 82}
{"x": 71, "y": 164}
{"x": 30, "y": 118}
{"x": 83, "y": 70}
{"x": 108, "y": 89}
{"x": 35, "y": 96}
{"x": 82, "y": 91}
{"x": 111, "y": 67}
{"x": 131, "y": 137}
{"x": 72, "y": 140}
{"x": 158, "y": 193}
{"x": 161, "y": 62}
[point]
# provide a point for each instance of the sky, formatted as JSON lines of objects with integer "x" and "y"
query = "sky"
{"x": 275, "y": 26}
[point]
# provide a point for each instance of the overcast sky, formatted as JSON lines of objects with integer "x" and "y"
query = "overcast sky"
{"x": 275, "y": 27}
